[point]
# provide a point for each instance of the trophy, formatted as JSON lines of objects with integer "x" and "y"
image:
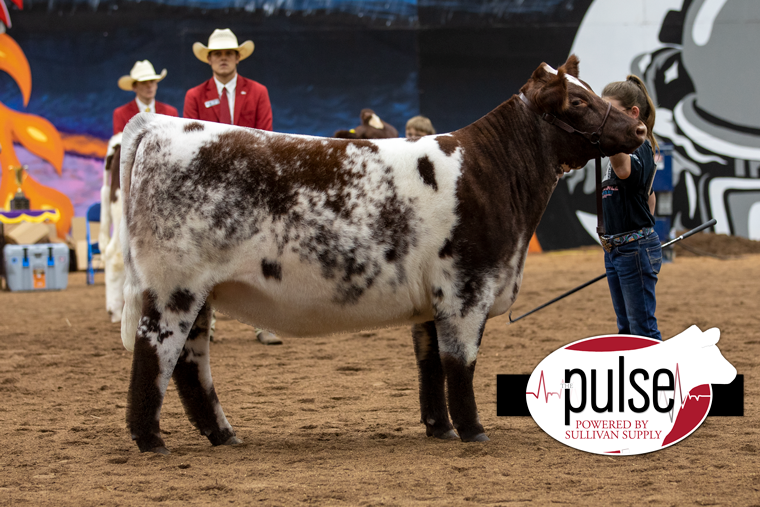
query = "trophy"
{"x": 19, "y": 201}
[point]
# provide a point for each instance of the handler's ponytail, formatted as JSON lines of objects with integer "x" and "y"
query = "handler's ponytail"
{"x": 633, "y": 92}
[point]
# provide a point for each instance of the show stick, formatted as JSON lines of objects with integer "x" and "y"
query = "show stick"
{"x": 600, "y": 277}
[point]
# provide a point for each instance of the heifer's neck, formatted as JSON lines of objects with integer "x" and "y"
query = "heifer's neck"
{"x": 519, "y": 158}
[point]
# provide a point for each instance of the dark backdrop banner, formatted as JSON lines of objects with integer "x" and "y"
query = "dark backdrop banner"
{"x": 322, "y": 61}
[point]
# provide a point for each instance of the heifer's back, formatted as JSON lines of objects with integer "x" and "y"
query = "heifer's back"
{"x": 340, "y": 234}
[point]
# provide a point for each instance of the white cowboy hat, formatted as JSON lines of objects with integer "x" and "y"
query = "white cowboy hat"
{"x": 141, "y": 71}
{"x": 222, "y": 39}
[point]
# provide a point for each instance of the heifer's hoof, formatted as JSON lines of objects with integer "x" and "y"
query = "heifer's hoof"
{"x": 159, "y": 450}
{"x": 268, "y": 338}
{"x": 224, "y": 436}
{"x": 442, "y": 432}
{"x": 233, "y": 440}
{"x": 449, "y": 435}
{"x": 151, "y": 443}
{"x": 480, "y": 437}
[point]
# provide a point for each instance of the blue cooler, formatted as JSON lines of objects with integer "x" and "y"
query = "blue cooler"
{"x": 44, "y": 266}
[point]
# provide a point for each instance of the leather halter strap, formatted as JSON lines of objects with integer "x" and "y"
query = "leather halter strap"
{"x": 593, "y": 138}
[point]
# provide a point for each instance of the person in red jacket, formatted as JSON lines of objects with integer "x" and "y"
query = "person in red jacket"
{"x": 228, "y": 97}
{"x": 142, "y": 80}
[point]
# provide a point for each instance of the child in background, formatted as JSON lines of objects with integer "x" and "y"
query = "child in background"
{"x": 419, "y": 126}
{"x": 633, "y": 255}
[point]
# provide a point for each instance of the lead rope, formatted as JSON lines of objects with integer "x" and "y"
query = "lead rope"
{"x": 599, "y": 213}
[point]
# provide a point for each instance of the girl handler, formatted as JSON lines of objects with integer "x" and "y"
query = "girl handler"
{"x": 633, "y": 255}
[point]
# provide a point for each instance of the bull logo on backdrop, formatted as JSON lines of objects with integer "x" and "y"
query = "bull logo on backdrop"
{"x": 695, "y": 57}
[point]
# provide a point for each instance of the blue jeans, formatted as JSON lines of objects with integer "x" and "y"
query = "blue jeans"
{"x": 631, "y": 275}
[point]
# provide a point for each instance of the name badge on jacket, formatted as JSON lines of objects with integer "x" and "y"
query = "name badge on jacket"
{"x": 211, "y": 103}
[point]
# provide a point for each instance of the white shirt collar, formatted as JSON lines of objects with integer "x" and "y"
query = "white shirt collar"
{"x": 141, "y": 106}
{"x": 231, "y": 85}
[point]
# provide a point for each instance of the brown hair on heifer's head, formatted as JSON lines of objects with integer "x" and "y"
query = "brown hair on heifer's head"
{"x": 548, "y": 89}
{"x": 365, "y": 115}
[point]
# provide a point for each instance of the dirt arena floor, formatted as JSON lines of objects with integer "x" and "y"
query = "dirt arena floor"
{"x": 335, "y": 420}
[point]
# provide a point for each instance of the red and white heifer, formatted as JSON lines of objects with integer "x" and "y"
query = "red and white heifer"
{"x": 110, "y": 215}
{"x": 309, "y": 236}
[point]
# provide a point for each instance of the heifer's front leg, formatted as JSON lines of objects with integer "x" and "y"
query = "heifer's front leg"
{"x": 432, "y": 380}
{"x": 459, "y": 341}
{"x": 160, "y": 338}
{"x": 192, "y": 376}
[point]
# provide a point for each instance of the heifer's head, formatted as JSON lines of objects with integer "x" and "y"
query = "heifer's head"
{"x": 561, "y": 94}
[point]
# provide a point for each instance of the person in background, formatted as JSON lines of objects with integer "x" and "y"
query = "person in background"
{"x": 230, "y": 98}
{"x": 142, "y": 80}
{"x": 633, "y": 255}
{"x": 419, "y": 126}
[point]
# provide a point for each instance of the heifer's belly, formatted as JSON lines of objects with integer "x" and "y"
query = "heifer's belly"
{"x": 296, "y": 295}
{"x": 298, "y": 313}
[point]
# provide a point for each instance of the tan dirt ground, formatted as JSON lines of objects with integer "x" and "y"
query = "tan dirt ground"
{"x": 335, "y": 420}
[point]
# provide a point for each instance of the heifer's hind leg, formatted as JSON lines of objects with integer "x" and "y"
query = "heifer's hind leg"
{"x": 433, "y": 409}
{"x": 192, "y": 376}
{"x": 459, "y": 340}
{"x": 159, "y": 339}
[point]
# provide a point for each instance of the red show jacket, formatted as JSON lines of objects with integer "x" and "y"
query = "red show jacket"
{"x": 252, "y": 107}
{"x": 121, "y": 115}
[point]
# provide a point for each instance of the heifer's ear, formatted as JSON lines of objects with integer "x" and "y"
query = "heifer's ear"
{"x": 540, "y": 74}
{"x": 552, "y": 96}
{"x": 571, "y": 65}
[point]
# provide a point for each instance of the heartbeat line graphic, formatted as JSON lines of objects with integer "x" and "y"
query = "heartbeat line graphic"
{"x": 541, "y": 382}
{"x": 677, "y": 392}
{"x": 688, "y": 397}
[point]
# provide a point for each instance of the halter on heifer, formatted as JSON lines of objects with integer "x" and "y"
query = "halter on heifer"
{"x": 593, "y": 138}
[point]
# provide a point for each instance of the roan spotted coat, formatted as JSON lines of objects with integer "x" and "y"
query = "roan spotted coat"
{"x": 309, "y": 236}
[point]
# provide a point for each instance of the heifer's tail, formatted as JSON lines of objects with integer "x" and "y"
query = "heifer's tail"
{"x": 133, "y": 135}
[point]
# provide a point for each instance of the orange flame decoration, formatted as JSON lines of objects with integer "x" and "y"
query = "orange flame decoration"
{"x": 13, "y": 61}
{"x": 36, "y": 134}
